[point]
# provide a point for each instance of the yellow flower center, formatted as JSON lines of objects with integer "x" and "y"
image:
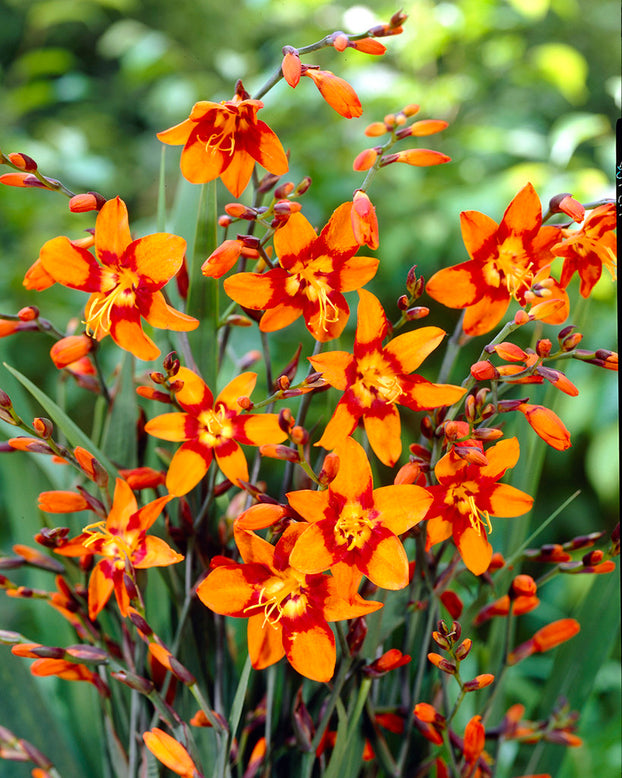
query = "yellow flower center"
{"x": 115, "y": 547}
{"x": 353, "y": 526}
{"x": 122, "y": 294}
{"x": 282, "y": 597}
{"x": 223, "y": 138}
{"x": 214, "y": 426}
{"x": 511, "y": 267}
{"x": 376, "y": 381}
{"x": 464, "y": 501}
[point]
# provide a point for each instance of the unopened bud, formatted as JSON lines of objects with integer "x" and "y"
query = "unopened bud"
{"x": 299, "y": 435}
{"x": 365, "y": 160}
{"x": 279, "y": 451}
{"x": 137, "y": 682}
{"x": 341, "y": 41}
{"x": 418, "y": 312}
{"x": 463, "y": 649}
{"x": 43, "y": 427}
{"x": 356, "y": 635}
{"x": 286, "y": 420}
{"x": 283, "y": 190}
{"x": 443, "y": 664}
{"x": 224, "y": 221}
{"x": 82, "y": 203}
{"x": 329, "y": 470}
{"x": 523, "y": 586}
{"x": 245, "y": 402}
{"x": 240, "y": 211}
{"x": 403, "y": 302}
{"x": 543, "y": 347}
{"x": 29, "y": 313}
{"x": 479, "y": 682}
{"x": 375, "y": 129}
{"x": 171, "y": 364}
{"x": 441, "y": 641}
{"x": 22, "y": 161}
{"x": 304, "y": 185}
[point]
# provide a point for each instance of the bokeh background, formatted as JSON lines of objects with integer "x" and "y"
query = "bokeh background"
{"x": 531, "y": 89}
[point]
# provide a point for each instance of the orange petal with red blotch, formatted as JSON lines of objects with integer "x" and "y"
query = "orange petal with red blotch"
{"x": 424, "y": 394}
{"x": 253, "y": 290}
{"x": 266, "y": 148}
{"x": 339, "y": 427}
{"x": 311, "y": 554}
{"x": 168, "y": 426}
{"x": 295, "y": 237}
{"x": 333, "y": 366}
{"x": 265, "y": 642}
{"x": 310, "y": 649}
{"x": 401, "y": 506}
{"x": 240, "y": 386}
{"x": 127, "y": 332}
{"x": 279, "y": 317}
{"x": 371, "y": 321}
{"x": 100, "y": 589}
{"x": 70, "y": 265}
{"x": 158, "y": 554}
{"x": 171, "y": 753}
{"x": 411, "y": 348}
{"x": 523, "y": 214}
{"x": 37, "y": 277}
{"x": 147, "y": 515}
{"x": 232, "y": 462}
{"x": 486, "y": 314}
{"x": 501, "y": 456}
{"x": 475, "y": 550}
{"x": 354, "y": 477}
{"x": 318, "y": 325}
{"x": 479, "y": 233}
{"x": 194, "y": 395}
{"x": 187, "y": 468}
{"x": 438, "y": 529}
{"x": 161, "y": 315}
{"x": 257, "y": 428}
{"x": 356, "y": 272}
{"x": 227, "y": 590}
{"x": 384, "y": 434}
{"x": 237, "y": 172}
{"x": 156, "y": 258}
{"x": 112, "y": 231}
{"x": 387, "y": 566}
{"x": 197, "y": 164}
{"x": 507, "y": 501}
{"x": 338, "y": 235}
{"x": 124, "y": 505}
{"x": 454, "y": 287}
{"x": 311, "y": 505}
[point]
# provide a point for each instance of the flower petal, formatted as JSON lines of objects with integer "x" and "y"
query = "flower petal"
{"x": 384, "y": 561}
{"x": 232, "y": 462}
{"x": 294, "y": 238}
{"x": 230, "y": 589}
{"x": 157, "y": 554}
{"x": 333, "y": 366}
{"x": 160, "y": 314}
{"x": 411, "y": 348}
{"x": 187, "y": 468}
{"x": 384, "y": 431}
{"x": 506, "y": 501}
{"x": 341, "y": 425}
{"x": 353, "y": 480}
{"x": 112, "y": 232}
{"x": 265, "y": 642}
{"x": 240, "y": 386}
{"x": 311, "y": 505}
{"x": 71, "y": 265}
{"x": 475, "y": 550}
{"x": 310, "y": 648}
{"x": 402, "y": 506}
{"x": 156, "y": 258}
{"x": 127, "y": 332}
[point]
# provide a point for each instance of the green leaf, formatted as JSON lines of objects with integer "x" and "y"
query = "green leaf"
{"x": 75, "y": 436}
{"x": 120, "y": 435}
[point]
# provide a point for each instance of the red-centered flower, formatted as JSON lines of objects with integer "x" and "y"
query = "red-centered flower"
{"x": 314, "y": 271}
{"x": 507, "y": 259}
{"x": 226, "y": 140}
{"x": 374, "y": 379}
{"x": 354, "y": 524}
{"x": 125, "y": 284}
{"x": 123, "y": 543}
{"x": 210, "y": 428}
{"x": 588, "y": 250}
{"x": 467, "y": 495}
{"x": 287, "y": 610}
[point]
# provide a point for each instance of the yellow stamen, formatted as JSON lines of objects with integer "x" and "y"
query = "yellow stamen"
{"x": 114, "y": 546}
{"x": 280, "y": 595}
{"x": 477, "y": 517}
{"x": 353, "y": 526}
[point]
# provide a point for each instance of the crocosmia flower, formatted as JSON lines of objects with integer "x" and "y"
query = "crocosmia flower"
{"x": 465, "y": 497}
{"x": 122, "y": 542}
{"x": 375, "y": 379}
{"x": 588, "y": 250}
{"x": 314, "y": 271}
{"x": 288, "y": 611}
{"x": 355, "y": 524}
{"x": 506, "y": 260}
{"x": 211, "y": 428}
{"x": 226, "y": 140}
{"x": 125, "y": 284}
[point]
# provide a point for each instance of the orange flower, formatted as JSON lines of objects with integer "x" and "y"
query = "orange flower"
{"x": 506, "y": 260}
{"x": 353, "y": 524}
{"x": 170, "y": 752}
{"x": 314, "y": 271}
{"x": 125, "y": 284}
{"x": 225, "y": 140}
{"x": 287, "y": 610}
{"x": 123, "y": 543}
{"x": 588, "y": 250}
{"x": 465, "y": 497}
{"x": 474, "y": 740}
{"x": 374, "y": 379}
{"x": 210, "y": 428}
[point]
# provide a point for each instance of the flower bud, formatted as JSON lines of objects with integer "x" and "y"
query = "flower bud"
{"x": 479, "y": 682}
{"x": 43, "y": 427}
{"x": 340, "y": 41}
{"x": 279, "y": 451}
{"x": 375, "y": 129}
{"x": 443, "y": 664}
{"x": 462, "y": 651}
{"x": 417, "y": 312}
{"x": 543, "y": 347}
{"x": 291, "y": 67}
{"x": 565, "y": 203}
{"x": 523, "y": 586}
{"x": 365, "y": 160}
{"x": 22, "y": 161}
{"x": 29, "y": 313}
{"x": 330, "y": 466}
{"x": 91, "y": 201}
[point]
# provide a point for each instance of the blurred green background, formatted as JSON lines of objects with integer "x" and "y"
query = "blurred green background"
{"x": 531, "y": 89}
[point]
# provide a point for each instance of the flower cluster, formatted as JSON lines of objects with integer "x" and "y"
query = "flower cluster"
{"x": 310, "y": 524}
